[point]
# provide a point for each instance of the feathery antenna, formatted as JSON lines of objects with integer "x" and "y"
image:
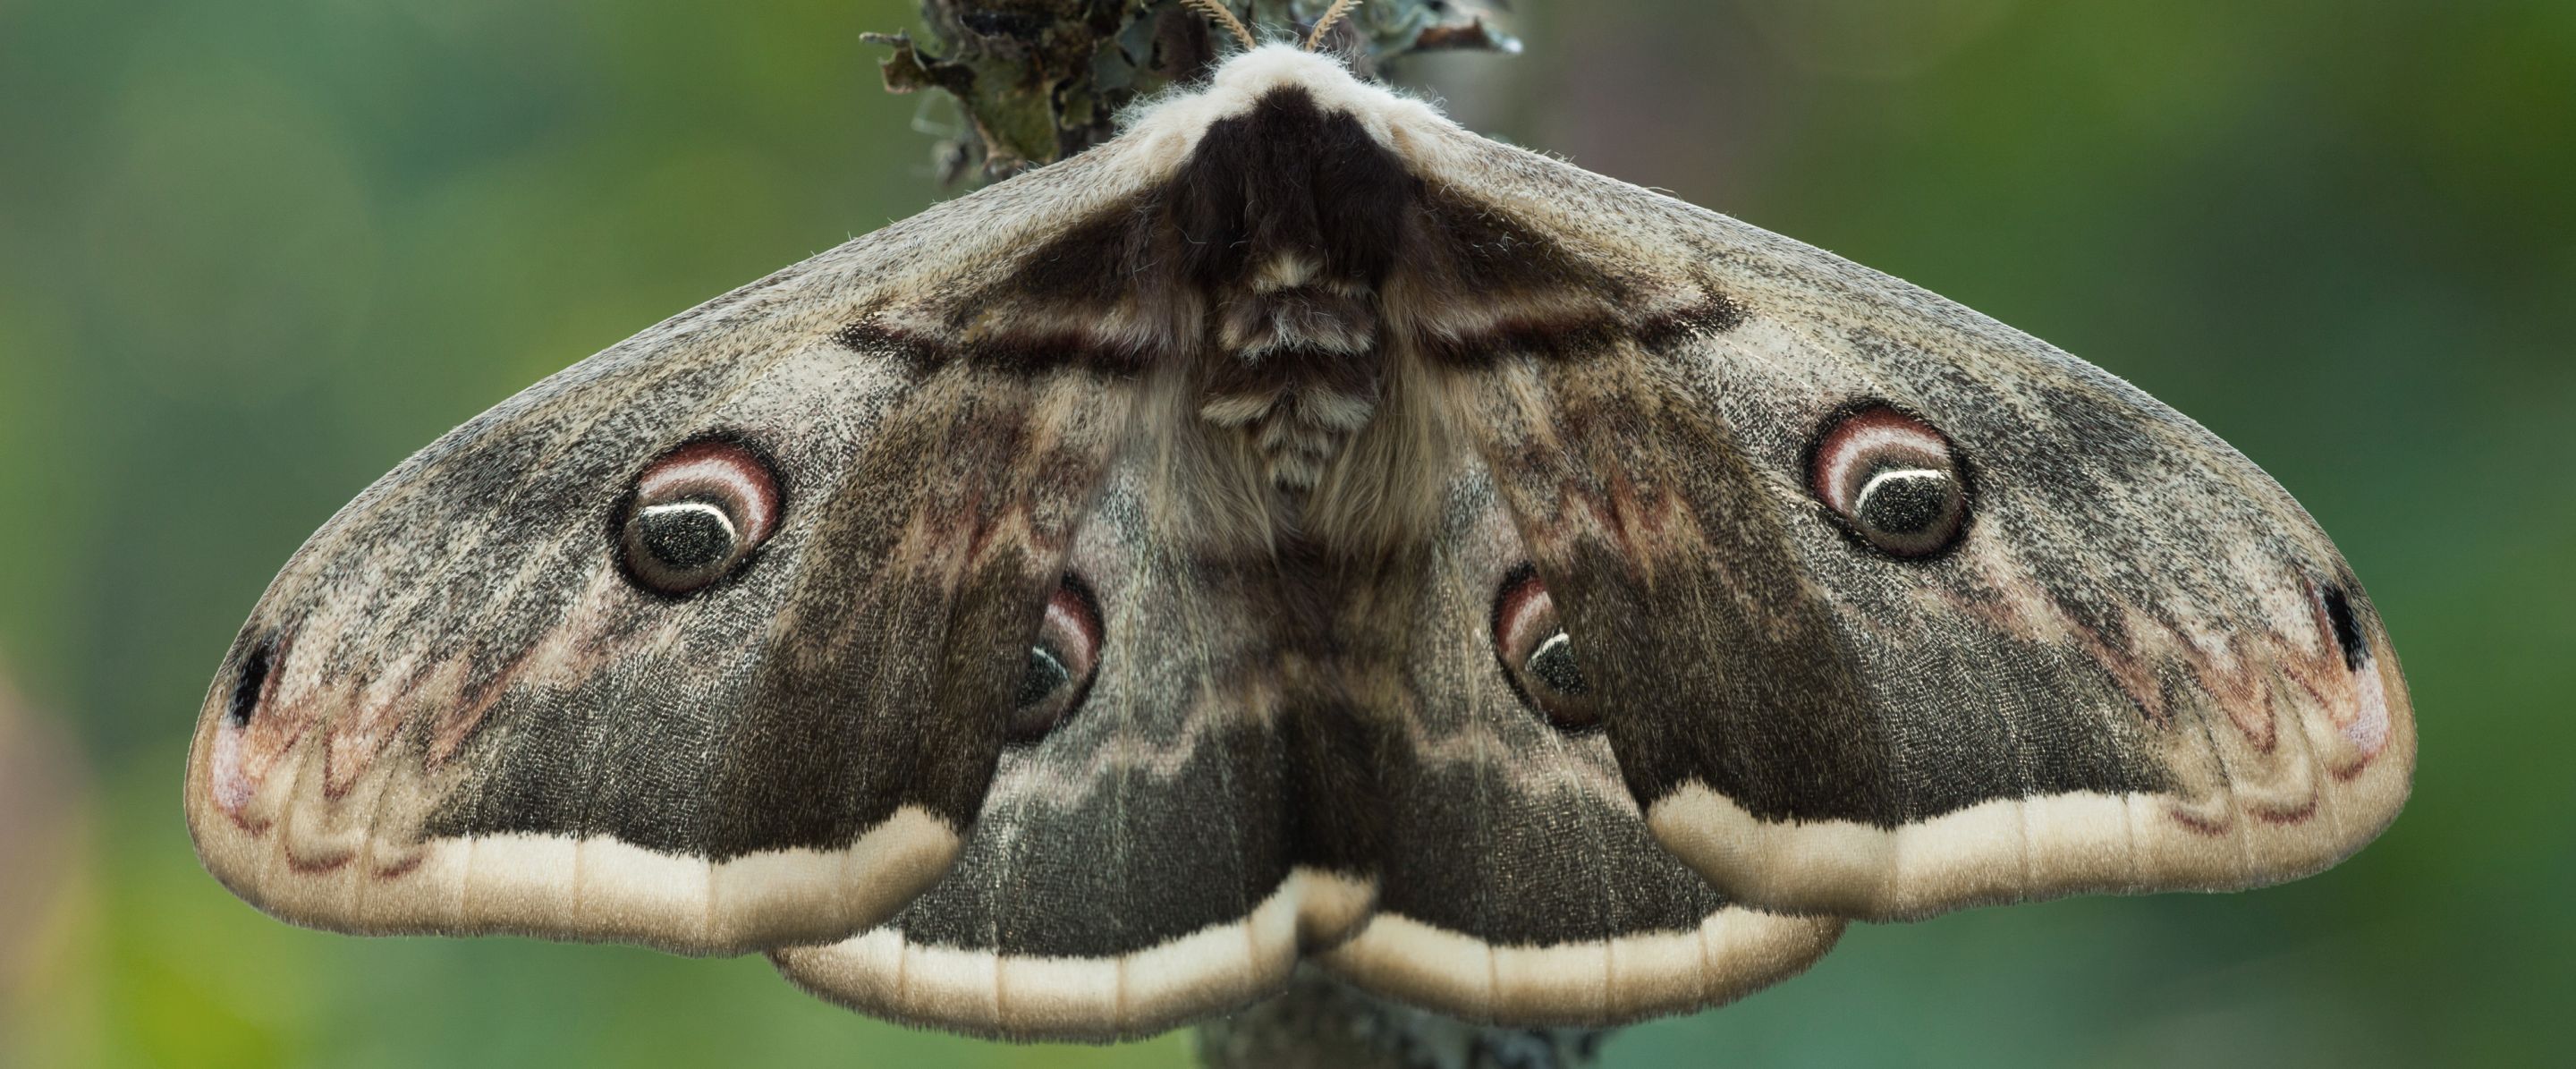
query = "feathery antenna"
{"x": 1217, "y": 12}
{"x": 1332, "y": 15}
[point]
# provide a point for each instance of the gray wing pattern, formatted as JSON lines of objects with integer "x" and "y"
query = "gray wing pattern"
{"x": 1305, "y": 421}
{"x": 459, "y": 710}
{"x": 1139, "y": 867}
{"x": 1132, "y": 869}
{"x": 2139, "y": 666}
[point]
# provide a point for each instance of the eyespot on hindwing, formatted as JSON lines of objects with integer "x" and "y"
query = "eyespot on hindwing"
{"x": 1537, "y": 655}
{"x": 1061, "y": 664}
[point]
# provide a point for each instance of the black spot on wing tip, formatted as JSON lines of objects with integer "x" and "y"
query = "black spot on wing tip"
{"x": 252, "y": 683}
{"x": 2347, "y": 629}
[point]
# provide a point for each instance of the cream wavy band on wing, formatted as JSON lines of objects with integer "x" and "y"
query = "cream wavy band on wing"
{"x": 2251, "y": 813}
{"x": 1733, "y": 953}
{"x": 2010, "y": 850}
{"x": 292, "y": 855}
{"x": 1217, "y": 968}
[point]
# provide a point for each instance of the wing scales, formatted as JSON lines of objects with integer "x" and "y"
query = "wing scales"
{"x": 2142, "y": 667}
{"x": 2125, "y": 679}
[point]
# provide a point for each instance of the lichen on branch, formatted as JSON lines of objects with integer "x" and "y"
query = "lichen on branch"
{"x": 1039, "y": 80}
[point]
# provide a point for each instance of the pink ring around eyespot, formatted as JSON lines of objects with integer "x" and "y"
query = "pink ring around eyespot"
{"x": 1525, "y": 622}
{"x": 1523, "y": 604}
{"x": 725, "y": 470}
{"x": 1070, "y": 632}
{"x": 1871, "y": 433}
{"x": 1070, "y": 612}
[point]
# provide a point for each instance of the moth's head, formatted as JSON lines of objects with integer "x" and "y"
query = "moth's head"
{"x": 1262, "y": 70}
{"x": 1173, "y": 124}
{"x": 1223, "y": 18}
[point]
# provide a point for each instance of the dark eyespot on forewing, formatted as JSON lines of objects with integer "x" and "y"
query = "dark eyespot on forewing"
{"x": 1894, "y": 482}
{"x": 687, "y": 534}
{"x": 1906, "y": 499}
{"x": 695, "y": 515}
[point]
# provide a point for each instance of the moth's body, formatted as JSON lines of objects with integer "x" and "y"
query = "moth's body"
{"x": 1528, "y": 595}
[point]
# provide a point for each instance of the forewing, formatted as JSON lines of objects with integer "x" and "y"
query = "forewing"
{"x": 455, "y": 711}
{"x": 2142, "y": 666}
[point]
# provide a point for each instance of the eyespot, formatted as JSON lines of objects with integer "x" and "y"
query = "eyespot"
{"x": 1893, "y": 480}
{"x": 1061, "y": 664}
{"x": 1538, "y": 657}
{"x": 695, "y": 515}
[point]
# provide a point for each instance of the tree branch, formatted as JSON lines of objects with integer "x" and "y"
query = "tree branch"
{"x": 1039, "y": 80}
{"x": 1321, "y": 1023}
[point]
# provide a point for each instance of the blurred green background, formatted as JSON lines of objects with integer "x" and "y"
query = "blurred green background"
{"x": 253, "y": 253}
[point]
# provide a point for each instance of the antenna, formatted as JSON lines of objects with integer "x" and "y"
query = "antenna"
{"x": 1217, "y": 13}
{"x": 1332, "y": 16}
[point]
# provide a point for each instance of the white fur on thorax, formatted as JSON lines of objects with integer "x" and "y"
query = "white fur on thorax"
{"x": 1167, "y": 129}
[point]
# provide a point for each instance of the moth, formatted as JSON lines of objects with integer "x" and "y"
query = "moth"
{"x": 1297, "y": 529}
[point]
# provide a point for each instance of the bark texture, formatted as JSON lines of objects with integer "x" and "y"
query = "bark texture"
{"x": 1321, "y": 1023}
{"x": 1039, "y": 80}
